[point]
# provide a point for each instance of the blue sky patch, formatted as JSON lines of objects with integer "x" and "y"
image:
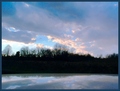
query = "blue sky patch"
{"x": 44, "y": 40}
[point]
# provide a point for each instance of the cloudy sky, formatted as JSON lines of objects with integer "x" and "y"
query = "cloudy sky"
{"x": 86, "y": 27}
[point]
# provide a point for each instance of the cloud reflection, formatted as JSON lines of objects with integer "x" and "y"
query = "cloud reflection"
{"x": 60, "y": 82}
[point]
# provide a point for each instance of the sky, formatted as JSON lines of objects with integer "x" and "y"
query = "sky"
{"x": 85, "y": 27}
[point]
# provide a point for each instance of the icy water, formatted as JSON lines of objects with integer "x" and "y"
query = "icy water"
{"x": 59, "y": 81}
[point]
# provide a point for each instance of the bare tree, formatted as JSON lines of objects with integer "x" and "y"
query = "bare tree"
{"x": 7, "y": 50}
{"x": 32, "y": 53}
{"x": 24, "y": 51}
{"x": 61, "y": 47}
{"x": 60, "y": 51}
{"x": 38, "y": 52}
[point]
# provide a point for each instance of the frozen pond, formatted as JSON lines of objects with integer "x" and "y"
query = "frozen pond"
{"x": 59, "y": 81}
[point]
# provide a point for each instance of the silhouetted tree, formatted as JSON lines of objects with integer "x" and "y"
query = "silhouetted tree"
{"x": 48, "y": 53}
{"x": 43, "y": 52}
{"x": 24, "y": 51}
{"x": 100, "y": 56}
{"x": 60, "y": 47}
{"x": 32, "y": 53}
{"x": 112, "y": 56}
{"x": 17, "y": 54}
{"x": 38, "y": 52}
{"x": 60, "y": 50}
{"x": 7, "y": 50}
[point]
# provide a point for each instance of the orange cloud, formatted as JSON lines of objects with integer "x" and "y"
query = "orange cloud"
{"x": 70, "y": 43}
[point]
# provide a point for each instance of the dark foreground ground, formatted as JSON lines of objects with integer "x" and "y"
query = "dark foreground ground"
{"x": 34, "y": 66}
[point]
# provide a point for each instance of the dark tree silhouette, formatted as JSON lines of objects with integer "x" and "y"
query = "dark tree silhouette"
{"x": 24, "y": 51}
{"x": 38, "y": 52}
{"x": 32, "y": 53}
{"x": 17, "y": 54}
{"x": 7, "y": 50}
{"x": 112, "y": 56}
{"x": 59, "y": 59}
{"x": 60, "y": 50}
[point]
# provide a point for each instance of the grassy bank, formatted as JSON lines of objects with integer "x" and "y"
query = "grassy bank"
{"x": 95, "y": 66}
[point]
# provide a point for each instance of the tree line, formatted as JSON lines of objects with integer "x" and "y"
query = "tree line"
{"x": 57, "y": 60}
{"x": 60, "y": 52}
